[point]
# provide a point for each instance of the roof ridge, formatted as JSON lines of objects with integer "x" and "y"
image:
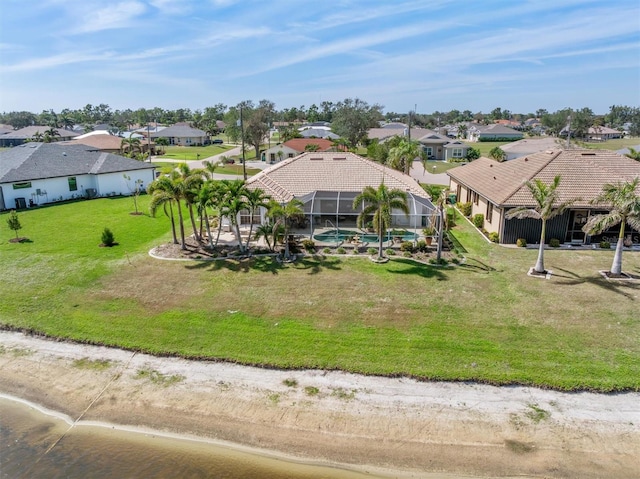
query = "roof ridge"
{"x": 544, "y": 165}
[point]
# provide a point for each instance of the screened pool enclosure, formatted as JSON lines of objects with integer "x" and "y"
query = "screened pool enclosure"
{"x": 334, "y": 209}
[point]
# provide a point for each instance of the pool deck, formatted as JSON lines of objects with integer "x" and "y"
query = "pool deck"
{"x": 306, "y": 233}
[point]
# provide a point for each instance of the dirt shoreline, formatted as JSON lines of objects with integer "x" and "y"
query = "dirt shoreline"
{"x": 416, "y": 429}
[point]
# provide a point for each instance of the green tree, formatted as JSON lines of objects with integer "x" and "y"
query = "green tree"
{"x": 14, "y": 222}
{"x": 165, "y": 191}
{"x": 207, "y": 196}
{"x": 624, "y": 201}
{"x": 497, "y": 153}
{"x": 473, "y": 154}
{"x": 163, "y": 142}
{"x": 256, "y": 124}
{"x": 547, "y": 206}
{"x": 312, "y": 147}
{"x": 401, "y": 157}
{"x": 189, "y": 181}
{"x": 129, "y": 146}
{"x": 37, "y": 136}
{"x": 270, "y": 232}
{"x": 633, "y": 154}
{"x": 282, "y": 214}
{"x": 233, "y": 202}
{"x": 352, "y": 119}
{"x": 379, "y": 203}
{"x": 254, "y": 200}
{"x": 135, "y": 190}
{"x": 50, "y": 135}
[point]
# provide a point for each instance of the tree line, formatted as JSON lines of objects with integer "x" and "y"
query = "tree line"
{"x": 348, "y": 110}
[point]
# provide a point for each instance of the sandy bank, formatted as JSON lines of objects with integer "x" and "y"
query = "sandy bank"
{"x": 335, "y": 417}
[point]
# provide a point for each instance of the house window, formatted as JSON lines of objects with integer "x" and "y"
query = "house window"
{"x": 429, "y": 151}
{"x": 73, "y": 184}
{"x": 468, "y": 195}
{"x": 489, "y": 215}
{"x": 290, "y": 155}
{"x": 457, "y": 152}
{"x": 21, "y": 186}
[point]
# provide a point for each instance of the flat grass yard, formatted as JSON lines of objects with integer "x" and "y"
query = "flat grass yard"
{"x": 189, "y": 153}
{"x": 483, "y": 321}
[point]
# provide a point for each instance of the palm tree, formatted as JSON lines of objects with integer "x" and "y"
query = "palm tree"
{"x": 164, "y": 193}
{"x": 379, "y": 204}
{"x": 282, "y": 215}
{"x": 50, "y": 135}
{"x": 401, "y": 156}
{"x": 189, "y": 184}
{"x": 546, "y": 207}
{"x": 233, "y": 203}
{"x": 207, "y": 196}
{"x": 624, "y": 200}
{"x": 162, "y": 141}
{"x": 633, "y": 154}
{"x": 254, "y": 199}
{"x": 269, "y": 231}
{"x": 131, "y": 145}
{"x": 37, "y": 136}
{"x": 209, "y": 168}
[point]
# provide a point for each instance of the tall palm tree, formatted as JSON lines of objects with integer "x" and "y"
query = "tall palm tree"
{"x": 163, "y": 193}
{"x": 209, "y": 168}
{"x": 633, "y": 154}
{"x": 233, "y": 203}
{"x": 402, "y": 155}
{"x": 129, "y": 146}
{"x": 282, "y": 215}
{"x": 269, "y": 231}
{"x": 50, "y": 135}
{"x": 254, "y": 199}
{"x": 190, "y": 181}
{"x": 37, "y": 136}
{"x": 379, "y": 203}
{"x": 624, "y": 201}
{"x": 206, "y": 197}
{"x": 547, "y": 206}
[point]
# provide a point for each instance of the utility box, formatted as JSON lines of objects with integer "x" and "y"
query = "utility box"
{"x": 21, "y": 203}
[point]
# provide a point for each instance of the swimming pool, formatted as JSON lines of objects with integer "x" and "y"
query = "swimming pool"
{"x": 339, "y": 235}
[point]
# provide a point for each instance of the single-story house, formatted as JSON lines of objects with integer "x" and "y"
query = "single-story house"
{"x": 603, "y": 133}
{"x": 529, "y": 146}
{"x": 98, "y": 140}
{"x": 441, "y": 147}
{"x": 494, "y": 188}
{"x": 477, "y": 132}
{"x": 181, "y": 134}
{"x": 37, "y": 173}
{"x": 294, "y": 147}
{"x": 328, "y": 182}
{"x": 318, "y": 133}
{"x": 390, "y": 130}
{"x": 26, "y": 134}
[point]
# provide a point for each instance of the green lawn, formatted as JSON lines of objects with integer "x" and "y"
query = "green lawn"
{"x": 189, "y": 153}
{"x": 440, "y": 166}
{"x": 612, "y": 144}
{"x": 484, "y": 321}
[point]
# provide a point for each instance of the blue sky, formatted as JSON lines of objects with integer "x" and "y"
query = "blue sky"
{"x": 436, "y": 54}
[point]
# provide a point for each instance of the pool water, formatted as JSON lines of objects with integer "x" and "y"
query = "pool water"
{"x": 339, "y": 235}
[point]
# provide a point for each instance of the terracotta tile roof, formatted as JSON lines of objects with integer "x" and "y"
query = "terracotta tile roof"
{"x": 329, "y": 171}
{"x": 299, "y": 144}
{"x": 583, "y": 173}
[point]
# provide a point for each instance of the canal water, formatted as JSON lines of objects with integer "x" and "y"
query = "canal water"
{"x": 36, "y": 445}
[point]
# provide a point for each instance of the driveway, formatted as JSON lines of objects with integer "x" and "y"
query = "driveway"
{"x": 419, "y": 174}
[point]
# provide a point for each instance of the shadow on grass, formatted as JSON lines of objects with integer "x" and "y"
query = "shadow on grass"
{"x": 422, "y": 270}
{"x": 476, "y": 266}
{"x": 268, "y": 264}
{"x": 619, "y": 287}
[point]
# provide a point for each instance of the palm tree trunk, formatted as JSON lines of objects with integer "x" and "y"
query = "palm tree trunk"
{"x": 193, "y": 222}
{"x": 173, "y": 223}
{"x": 250, "y": 227}
{"x": 208, "y": 226}
{"x": 539, "y": 267}
{"x": 380, "y": 236}
{"x": 219, "y": 228}
{"x": 236, "y": 229}
{"x": 287, "y": 254}
{"x": 183, "y": 245}
{"x": 616, "y": 266}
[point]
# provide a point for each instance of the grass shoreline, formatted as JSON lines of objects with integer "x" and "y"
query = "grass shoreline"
{"x": 484, "y": 321}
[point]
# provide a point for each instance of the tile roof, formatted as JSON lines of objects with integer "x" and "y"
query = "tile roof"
{"x": 583, "y": 173}
{"x": 329, "y": 171}
{"x": 299, "y": 144}
{"x": 533, "y": 145}
{"x": 29, "y": 131}
{"x": 34, "y": 161}
{"x": 178, "y": 131}
{"x": 99, "y": 142}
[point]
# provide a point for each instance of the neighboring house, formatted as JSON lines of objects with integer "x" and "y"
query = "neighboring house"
{"x": 23, "y": 135}
{"x": 37, "y": 173}
{"x": 328, "y": 182}
{"x": 494, "y": 188}
{"x": 181, "y": 134}
{"x": 441, "y": 147}
{"x": 384, "y": 133}
{"x": 318, "y": 125}
{"x": 528, "y": 146}
{"x": 5, "y": 129}
{"x": 603, "y": 133}
{"x": 318, "y": 133}
{"x": 101, "y": 142}
{"x": 294, "y": 147}
{"x": 477, "y": 132}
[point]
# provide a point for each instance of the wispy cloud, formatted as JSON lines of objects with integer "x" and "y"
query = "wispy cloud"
{"x": 120, "y": 15}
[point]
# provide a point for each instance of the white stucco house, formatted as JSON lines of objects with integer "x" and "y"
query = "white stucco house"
{"x": 37, "y": 173}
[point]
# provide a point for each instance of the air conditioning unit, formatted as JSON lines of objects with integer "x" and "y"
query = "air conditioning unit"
{"x": 91, "y": 192}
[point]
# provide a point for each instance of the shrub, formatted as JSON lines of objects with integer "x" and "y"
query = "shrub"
{"x": 326, "y": 250}
{"x": 372, "y": 251}
{"x": 478, "y": 220}
{"x": 465, "y": 208}
{"x": 521, "y": 243}
{"x": 341, "y": 250}
{"x": 554, "y": 242}
{"x": 308, "y": 245}
{"x": 494, "y": 237}
{"x": 605, "y": 245}
{"x": 455, "y": 261}
{"x": 406, "y": 246}
{"x": 355, "y": 251}
{"x": 390, "y": 252}
{"x": 107, "y": 237}
{"x": 429, "y": 231}
{"x": 407, "y": 254}
{"x": 421, "y": 246}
